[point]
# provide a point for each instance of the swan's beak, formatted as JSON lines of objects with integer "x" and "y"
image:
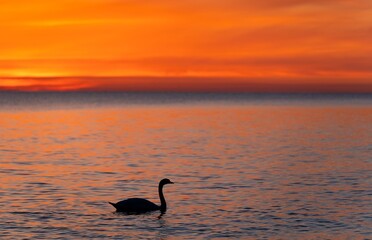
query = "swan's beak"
{"x": 171, "y": 182}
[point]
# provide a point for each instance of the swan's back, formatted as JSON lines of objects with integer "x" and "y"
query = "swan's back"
{"x": 135, "y": 205}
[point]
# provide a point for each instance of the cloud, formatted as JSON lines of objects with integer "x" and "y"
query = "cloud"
{"x": 333, "y": 66}
{"x": 277, "y": 39}
{"x": 179, "y": 84}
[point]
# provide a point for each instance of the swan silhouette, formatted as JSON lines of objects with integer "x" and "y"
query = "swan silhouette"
{"x": 140, "y": 205}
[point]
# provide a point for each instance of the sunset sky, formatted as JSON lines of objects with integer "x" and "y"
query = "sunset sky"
{"x": 186, "y": 45}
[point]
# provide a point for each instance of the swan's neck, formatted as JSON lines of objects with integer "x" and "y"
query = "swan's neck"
{"x": 163, "y": 204}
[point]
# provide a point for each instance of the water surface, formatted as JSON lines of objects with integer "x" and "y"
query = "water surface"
{"x": 245, "y": 166}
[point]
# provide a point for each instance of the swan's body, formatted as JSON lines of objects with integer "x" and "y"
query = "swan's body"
{"x": 138, "y": 205}
{"x": 135, "y": 205}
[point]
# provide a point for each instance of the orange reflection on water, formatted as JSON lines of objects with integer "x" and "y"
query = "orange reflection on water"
{"x": 224, "y": 159}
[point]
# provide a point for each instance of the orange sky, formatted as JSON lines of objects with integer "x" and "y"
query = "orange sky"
{"x": 188, "y": 45}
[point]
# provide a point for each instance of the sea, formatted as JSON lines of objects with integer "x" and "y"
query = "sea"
{"x": 245, "y": 166}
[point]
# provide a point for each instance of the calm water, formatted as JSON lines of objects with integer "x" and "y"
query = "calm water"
{"x": 245, "y": 166}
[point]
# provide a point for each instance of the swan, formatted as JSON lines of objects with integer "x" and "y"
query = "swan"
{"x": 139, "y": 205}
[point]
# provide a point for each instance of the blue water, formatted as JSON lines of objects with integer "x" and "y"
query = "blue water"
{"x": 55, "y": 100}
{"x": 245, "y": 166}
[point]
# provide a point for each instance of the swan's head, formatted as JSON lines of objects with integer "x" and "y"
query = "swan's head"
{"x": 165, "y": 181}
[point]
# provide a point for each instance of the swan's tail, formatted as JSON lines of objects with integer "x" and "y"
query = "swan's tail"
{"x": 113, "y": 204}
